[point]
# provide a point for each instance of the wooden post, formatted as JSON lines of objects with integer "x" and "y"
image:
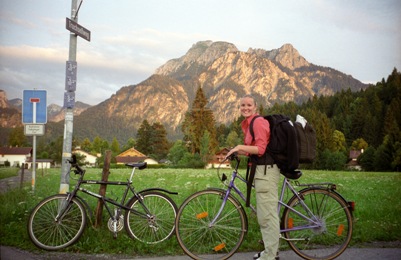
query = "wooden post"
{"x": 102, "y": 189}
{"x": 22, "y": 176}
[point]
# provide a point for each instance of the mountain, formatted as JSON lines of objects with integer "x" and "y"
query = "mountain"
{"x": 10, "y": 115}
{"x": 55, "y": 113}
{"x": 225, "y": 74}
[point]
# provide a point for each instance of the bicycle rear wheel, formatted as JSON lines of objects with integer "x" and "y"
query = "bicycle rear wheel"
{"x": 159, "y": 223}
{"x": 49, "y": 234}
{"x": 330, "y": 237}
{"x": 202, "y": 240}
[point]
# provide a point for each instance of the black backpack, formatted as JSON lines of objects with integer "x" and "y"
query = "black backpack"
{"x": 306, "y": 136}
{"x": 283, "y": 144}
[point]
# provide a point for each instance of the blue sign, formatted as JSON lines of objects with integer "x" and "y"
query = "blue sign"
{"x": 34, "y": 107}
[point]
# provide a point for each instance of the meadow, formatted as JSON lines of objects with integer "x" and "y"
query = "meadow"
{"x": 376, "y": 196}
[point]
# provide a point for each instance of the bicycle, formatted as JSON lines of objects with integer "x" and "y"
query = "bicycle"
{"x": 59, "y": 221}
{"x": 316, "y": 222}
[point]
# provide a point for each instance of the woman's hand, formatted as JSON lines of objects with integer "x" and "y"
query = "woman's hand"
{"x": 243, "y": 150}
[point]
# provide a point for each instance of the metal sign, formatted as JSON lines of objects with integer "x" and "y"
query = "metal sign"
{"x": 34, "y": 129}
{"x": 34, "y": 107}
{"x": 69, "y": 99}
{"x": 78, "y": 29}
{"x": 71, "y": 76}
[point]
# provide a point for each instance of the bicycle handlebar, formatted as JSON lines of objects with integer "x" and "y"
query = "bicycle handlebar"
{"x": 233, "y": 156}
{"x": 73, "y": 162}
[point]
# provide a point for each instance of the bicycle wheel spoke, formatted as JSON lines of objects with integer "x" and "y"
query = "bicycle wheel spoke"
{"x": 202, "y": 239}
{"x": 157, "y": 226}
{"x": 330, "y": 237}
{"x": 49, "y": 234}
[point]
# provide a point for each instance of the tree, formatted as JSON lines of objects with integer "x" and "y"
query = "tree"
{"x": 97, "y": 145}
{"x": 177, "y": 152}
{"x": 115, "y": 146}
{"x": 197, "y": 121}
{"x": 232, "y": 139}
{"x": 130, "y": 143}
{"x": 334, "y": 161}
{"x": 55, "y": 149}
{"x": 338, "y": 143}
{"x": 359, "y": 144}
{"x": 160, "y": 144}
{"x": 17, "y": 137}
{"x": 86, "y": 145}
{"x": 205, "y": 149}
{"x": 144, "y": 138}
{"x": 367, "y": 159}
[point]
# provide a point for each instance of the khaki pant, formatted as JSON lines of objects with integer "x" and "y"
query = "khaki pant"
{"x": 266, "y": 187}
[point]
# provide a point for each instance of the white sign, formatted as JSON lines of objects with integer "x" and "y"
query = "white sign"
{"x": 34, "y": 129}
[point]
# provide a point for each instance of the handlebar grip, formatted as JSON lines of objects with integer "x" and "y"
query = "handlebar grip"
{"x": 233, "y": 156}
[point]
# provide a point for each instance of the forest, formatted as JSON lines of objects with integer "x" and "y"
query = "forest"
{"x": 367, "y": 120}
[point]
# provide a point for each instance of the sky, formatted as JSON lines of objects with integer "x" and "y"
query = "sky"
{"x": 130, "y": 39}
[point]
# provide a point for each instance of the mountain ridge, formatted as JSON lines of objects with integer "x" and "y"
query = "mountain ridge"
{"x": 225, "y": 74}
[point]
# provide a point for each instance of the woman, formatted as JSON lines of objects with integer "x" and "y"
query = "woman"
{"x": 266, "y": 178}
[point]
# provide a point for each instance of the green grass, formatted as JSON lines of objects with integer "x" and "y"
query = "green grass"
{"x": 6, "y": 172}
{"x": 377, "y": 197}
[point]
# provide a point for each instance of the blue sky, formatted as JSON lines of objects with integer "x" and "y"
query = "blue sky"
{"x": 130, "y": 39}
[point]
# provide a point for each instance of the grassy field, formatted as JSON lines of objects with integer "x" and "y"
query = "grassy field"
{"x": 6, "y": 172}
{"x": 377, "y": 216}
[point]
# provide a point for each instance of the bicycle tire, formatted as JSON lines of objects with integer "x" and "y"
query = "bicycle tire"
{"x": 197, "y": 238}
{"x": 50, "y": 235}
{"x": 157, "y": 227}
{"x": 331, "y": 238}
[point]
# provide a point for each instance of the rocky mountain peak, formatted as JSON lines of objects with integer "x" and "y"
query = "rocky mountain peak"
{"x": 286, "y": 55}
{"x": 201, "y": 54}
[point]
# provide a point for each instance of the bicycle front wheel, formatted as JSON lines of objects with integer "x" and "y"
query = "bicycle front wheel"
{"x": 202, "y": 239}
{"x": 156, "y": 223}
{"x": 327, "y": 232}
{"x": 50, "y": 234}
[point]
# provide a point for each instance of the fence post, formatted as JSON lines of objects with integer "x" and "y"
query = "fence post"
{"x": 102, "y": 189}
{"x": 22, "y": 176}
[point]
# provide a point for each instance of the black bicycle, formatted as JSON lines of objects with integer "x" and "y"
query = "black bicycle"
{"x": 59, "y": 221}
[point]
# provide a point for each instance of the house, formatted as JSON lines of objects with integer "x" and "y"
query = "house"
{"x": 218, "y": 158}
{"x": 90, "y": 159}
{"x": 40, "y": 163}
{"x": 353, "y": 160}
{"x": 16, "y": 156}
{"x": 132, "y": 156}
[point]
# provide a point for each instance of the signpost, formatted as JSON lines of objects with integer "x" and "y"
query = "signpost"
{"x": 34, "y": 116}
{"x": 70, "y": 87}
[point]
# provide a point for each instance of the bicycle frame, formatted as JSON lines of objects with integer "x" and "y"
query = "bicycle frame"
{"x": 313, "y": 222}
{"x": 106, "y": 200}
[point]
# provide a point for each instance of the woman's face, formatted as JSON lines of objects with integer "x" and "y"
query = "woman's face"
{"x": 247, "y": 106}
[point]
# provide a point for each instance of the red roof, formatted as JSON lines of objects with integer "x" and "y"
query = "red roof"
{"x": 15, "y": 150}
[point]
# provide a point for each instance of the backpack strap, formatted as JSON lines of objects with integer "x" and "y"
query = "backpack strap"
{"x": 251, "y": 128}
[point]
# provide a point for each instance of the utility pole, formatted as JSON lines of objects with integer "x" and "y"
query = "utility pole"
{"x": 70, "y": 87}
{"x": 69, "y": 112}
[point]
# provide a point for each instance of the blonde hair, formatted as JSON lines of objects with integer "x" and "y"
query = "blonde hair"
{"x": 251, "y": 97}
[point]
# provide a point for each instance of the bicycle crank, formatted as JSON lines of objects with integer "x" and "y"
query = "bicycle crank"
{"x": 116, "y": 226}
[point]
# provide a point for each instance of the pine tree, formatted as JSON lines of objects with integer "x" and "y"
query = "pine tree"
{"x": 198, "y": 120}
{"x": 160, "y": 145}
{"x": 144, "y": 138}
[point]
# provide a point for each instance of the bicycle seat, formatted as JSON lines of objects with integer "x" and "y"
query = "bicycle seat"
{"x": 140, "y": 165}
{"x": 293, "y": 175}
